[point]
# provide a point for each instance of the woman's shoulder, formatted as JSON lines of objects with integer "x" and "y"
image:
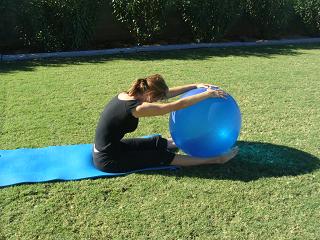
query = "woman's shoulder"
{"x": 129, "y": 101}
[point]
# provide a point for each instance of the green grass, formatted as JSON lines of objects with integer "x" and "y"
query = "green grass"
{"x": 270, "y": 191}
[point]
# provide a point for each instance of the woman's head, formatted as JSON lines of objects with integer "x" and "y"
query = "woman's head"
{"x": 149, "y": 89}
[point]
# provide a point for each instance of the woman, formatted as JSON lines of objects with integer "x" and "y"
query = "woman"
{"x": 112, "y": 153}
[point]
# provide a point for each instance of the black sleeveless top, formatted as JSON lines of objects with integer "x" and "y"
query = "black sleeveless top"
{"x": 115, "y": 121}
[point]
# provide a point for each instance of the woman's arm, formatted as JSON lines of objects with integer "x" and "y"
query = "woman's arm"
{"x": 156, "y": 109}
{"x": 175, "y": 91}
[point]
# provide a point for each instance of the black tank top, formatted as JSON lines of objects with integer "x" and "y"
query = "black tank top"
{"x": 115, "y": 121}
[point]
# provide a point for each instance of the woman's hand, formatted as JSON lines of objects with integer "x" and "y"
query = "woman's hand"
{"x": 205, "y": 85}
{"x": 214, "y": 93}
{"x": 212, "y": 90}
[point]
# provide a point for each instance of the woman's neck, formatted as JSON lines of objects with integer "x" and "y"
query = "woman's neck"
{"x": 126, "y": 96}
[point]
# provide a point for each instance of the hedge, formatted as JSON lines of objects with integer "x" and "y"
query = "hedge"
{"x": 51, "y": 25}
{"x": 210, "y": 20}
{"x": 145, "y": 19}
{"x": 271, "y": 17}
{"x": 309, "y": 11}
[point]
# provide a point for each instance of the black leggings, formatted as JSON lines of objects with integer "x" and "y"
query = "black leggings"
{"x": 133, "y": 154}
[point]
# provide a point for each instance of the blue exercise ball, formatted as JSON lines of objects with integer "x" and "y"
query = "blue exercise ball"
{"x": 208, "y": 128}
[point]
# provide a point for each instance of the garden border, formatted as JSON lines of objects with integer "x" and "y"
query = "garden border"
{"x": 154, "y": 48}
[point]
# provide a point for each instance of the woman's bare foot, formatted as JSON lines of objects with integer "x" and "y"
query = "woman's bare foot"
{"x": 188, "y": 161}
{"x": 227, "y": 156}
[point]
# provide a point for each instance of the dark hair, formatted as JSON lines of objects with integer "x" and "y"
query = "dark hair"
{"x": 153, "y": 85}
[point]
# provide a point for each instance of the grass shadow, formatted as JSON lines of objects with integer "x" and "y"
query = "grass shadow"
{"x": 255, "y": 160}
{"x": 191, "y": 54}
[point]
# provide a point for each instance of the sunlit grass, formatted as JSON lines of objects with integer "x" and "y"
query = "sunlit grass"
{"x": 270, "y": 191}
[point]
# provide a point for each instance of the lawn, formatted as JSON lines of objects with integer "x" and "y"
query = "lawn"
{"x": 271, "y": 190}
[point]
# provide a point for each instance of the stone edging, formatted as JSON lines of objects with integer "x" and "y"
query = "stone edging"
{"x": 158, "y": 48}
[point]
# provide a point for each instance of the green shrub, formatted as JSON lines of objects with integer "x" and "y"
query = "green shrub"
{"x": 210, "y": 19}
{"x": 271, "y": 17}
{"x": 56, "y": 25}
{"x": 309, "y": 11}
{"x": 145, "y": 19}
{"x": 7, "y": 24}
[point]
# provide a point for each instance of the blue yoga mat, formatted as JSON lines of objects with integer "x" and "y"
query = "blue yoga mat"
{"x": 68, "y": 162}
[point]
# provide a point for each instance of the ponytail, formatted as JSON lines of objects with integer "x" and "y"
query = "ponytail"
{"x": 139, "y": 86}
{"x": 153, "y": 85}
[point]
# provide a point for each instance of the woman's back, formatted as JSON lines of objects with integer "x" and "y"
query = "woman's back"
{"x": 115, "y": 121}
